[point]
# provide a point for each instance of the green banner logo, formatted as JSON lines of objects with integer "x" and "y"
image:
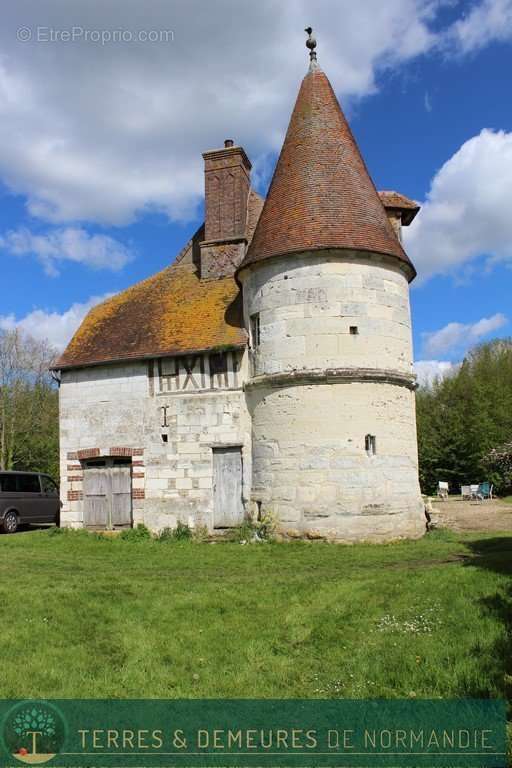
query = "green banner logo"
{"x": 254, "y": 733}
{"x": 34, "y": 732}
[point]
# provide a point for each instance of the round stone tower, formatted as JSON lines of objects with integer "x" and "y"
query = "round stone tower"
{"x": 326, "y": 302}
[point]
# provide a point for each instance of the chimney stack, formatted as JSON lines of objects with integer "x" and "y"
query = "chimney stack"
{"x": 227, "y": 183}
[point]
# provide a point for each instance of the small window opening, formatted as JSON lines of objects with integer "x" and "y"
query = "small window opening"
{"x": 255, "y": 330}
{"x": 165, "y": 438}
{"x": 96, "y": 463}
{"x": 370, "y": 444}
{"x": 218, "y": 363}
{"x": 354, "y": 330}
{"x": 123, "y": 462}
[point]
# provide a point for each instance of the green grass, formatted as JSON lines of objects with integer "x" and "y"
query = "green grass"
{"x": 508, "y": 499}
{"x": 87, "y": 617}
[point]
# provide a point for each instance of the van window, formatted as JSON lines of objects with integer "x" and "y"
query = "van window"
{"x": 8, "y": 483}
{"x": 49, "y": 487}
{"x": 28, "y": 484}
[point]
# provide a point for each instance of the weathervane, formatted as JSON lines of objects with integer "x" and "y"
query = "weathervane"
{"x": 311, "y": 44}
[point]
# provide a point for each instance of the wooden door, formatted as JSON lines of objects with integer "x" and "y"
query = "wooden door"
{"x": 107, "y": 494}
{"x": 121, "y": 496}
{"x": 97, "y": 494}
{"x": 228, "y": 509}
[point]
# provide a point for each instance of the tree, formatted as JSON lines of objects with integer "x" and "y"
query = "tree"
{"x": 28, "y": 404}
{"x": 464, "y": 416}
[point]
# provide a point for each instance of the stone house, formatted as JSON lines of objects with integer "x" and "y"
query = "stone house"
{"x": 269, "y": 368}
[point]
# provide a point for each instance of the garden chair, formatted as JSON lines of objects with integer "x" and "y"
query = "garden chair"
{"x": 485, "y": 490}
{"x": 442, "y": 490}
{"x": 465, "y": 491}
{"x": 475, "y": 492}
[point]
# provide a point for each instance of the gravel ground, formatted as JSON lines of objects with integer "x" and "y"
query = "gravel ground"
{"x": 488, "y": 515}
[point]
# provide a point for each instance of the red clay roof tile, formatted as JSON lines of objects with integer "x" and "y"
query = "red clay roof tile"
{"x": 321, "y": 195}
{"x": 392, "y": 199}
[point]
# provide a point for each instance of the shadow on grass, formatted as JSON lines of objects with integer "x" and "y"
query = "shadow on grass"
{"x": 495, "y": 554}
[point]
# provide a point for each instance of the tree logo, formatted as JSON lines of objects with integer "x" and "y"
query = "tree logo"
{"x": 34, "y": 732}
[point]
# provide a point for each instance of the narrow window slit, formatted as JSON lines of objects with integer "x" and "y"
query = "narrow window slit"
{"x": 255, "y": 330}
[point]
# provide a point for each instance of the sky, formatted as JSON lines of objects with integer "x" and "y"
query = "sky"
{"x": 106, "y": 107}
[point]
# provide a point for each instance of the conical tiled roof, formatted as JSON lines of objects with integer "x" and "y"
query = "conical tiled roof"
{"x": 321, "y": 195}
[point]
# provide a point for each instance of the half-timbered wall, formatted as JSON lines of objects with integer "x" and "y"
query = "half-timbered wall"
{"x": 168, "y": 415}
{"x": 195, "y": 373}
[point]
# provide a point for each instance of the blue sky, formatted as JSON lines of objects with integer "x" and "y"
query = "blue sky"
{"x": 100, "y": 166}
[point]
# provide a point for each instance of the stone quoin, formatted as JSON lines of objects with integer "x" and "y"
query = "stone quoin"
{"x": 268, "y": 370}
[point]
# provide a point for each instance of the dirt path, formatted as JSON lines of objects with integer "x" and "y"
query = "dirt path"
{"x": 473, "y": 515}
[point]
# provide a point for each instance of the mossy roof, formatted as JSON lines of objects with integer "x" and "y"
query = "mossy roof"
{"x": 170, "y": 313}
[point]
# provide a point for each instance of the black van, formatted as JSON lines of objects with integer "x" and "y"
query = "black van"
{"x": 27, "y": 498}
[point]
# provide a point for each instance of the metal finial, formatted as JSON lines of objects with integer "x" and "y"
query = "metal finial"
{"x": 311, "y": 44}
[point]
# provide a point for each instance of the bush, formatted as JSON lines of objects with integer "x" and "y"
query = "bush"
{"x": 256, "y": 530}
{"x": 499, "y": 463}
{"x": 166, "y": 534}
{"x": 139, "y": 533}
{"x": 182, "y": 532}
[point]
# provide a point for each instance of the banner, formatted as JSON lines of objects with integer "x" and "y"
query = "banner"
{"x": 251, "y": 733}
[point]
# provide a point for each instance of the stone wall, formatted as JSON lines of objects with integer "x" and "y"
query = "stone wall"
{"x": 307, "y": 305}
{"x": 318, "y": 390}
{"x": 167, "y": 424}
{"x": 311, "y": 467}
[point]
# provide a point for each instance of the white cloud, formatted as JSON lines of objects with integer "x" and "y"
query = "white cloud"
{"x": 102, "y": 132}
{"x": 67, "y": 244}
{"x": 467, "y": 210}
{"x": 488, "y": 21}
{"x": 92, "y": 132}
{"x": 428, "y": 371}
{"x": 460, "y": 336}
{"x": 57, "y": 328}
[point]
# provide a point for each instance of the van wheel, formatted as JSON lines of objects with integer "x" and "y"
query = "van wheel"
{"x": 10, "y": 522}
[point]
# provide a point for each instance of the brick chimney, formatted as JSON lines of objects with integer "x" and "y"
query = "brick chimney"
{"x": 227, "y": 183}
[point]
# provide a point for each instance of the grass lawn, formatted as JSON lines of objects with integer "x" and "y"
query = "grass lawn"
{"x": 508, "y": 499}
{"x": 84, "y": 617}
